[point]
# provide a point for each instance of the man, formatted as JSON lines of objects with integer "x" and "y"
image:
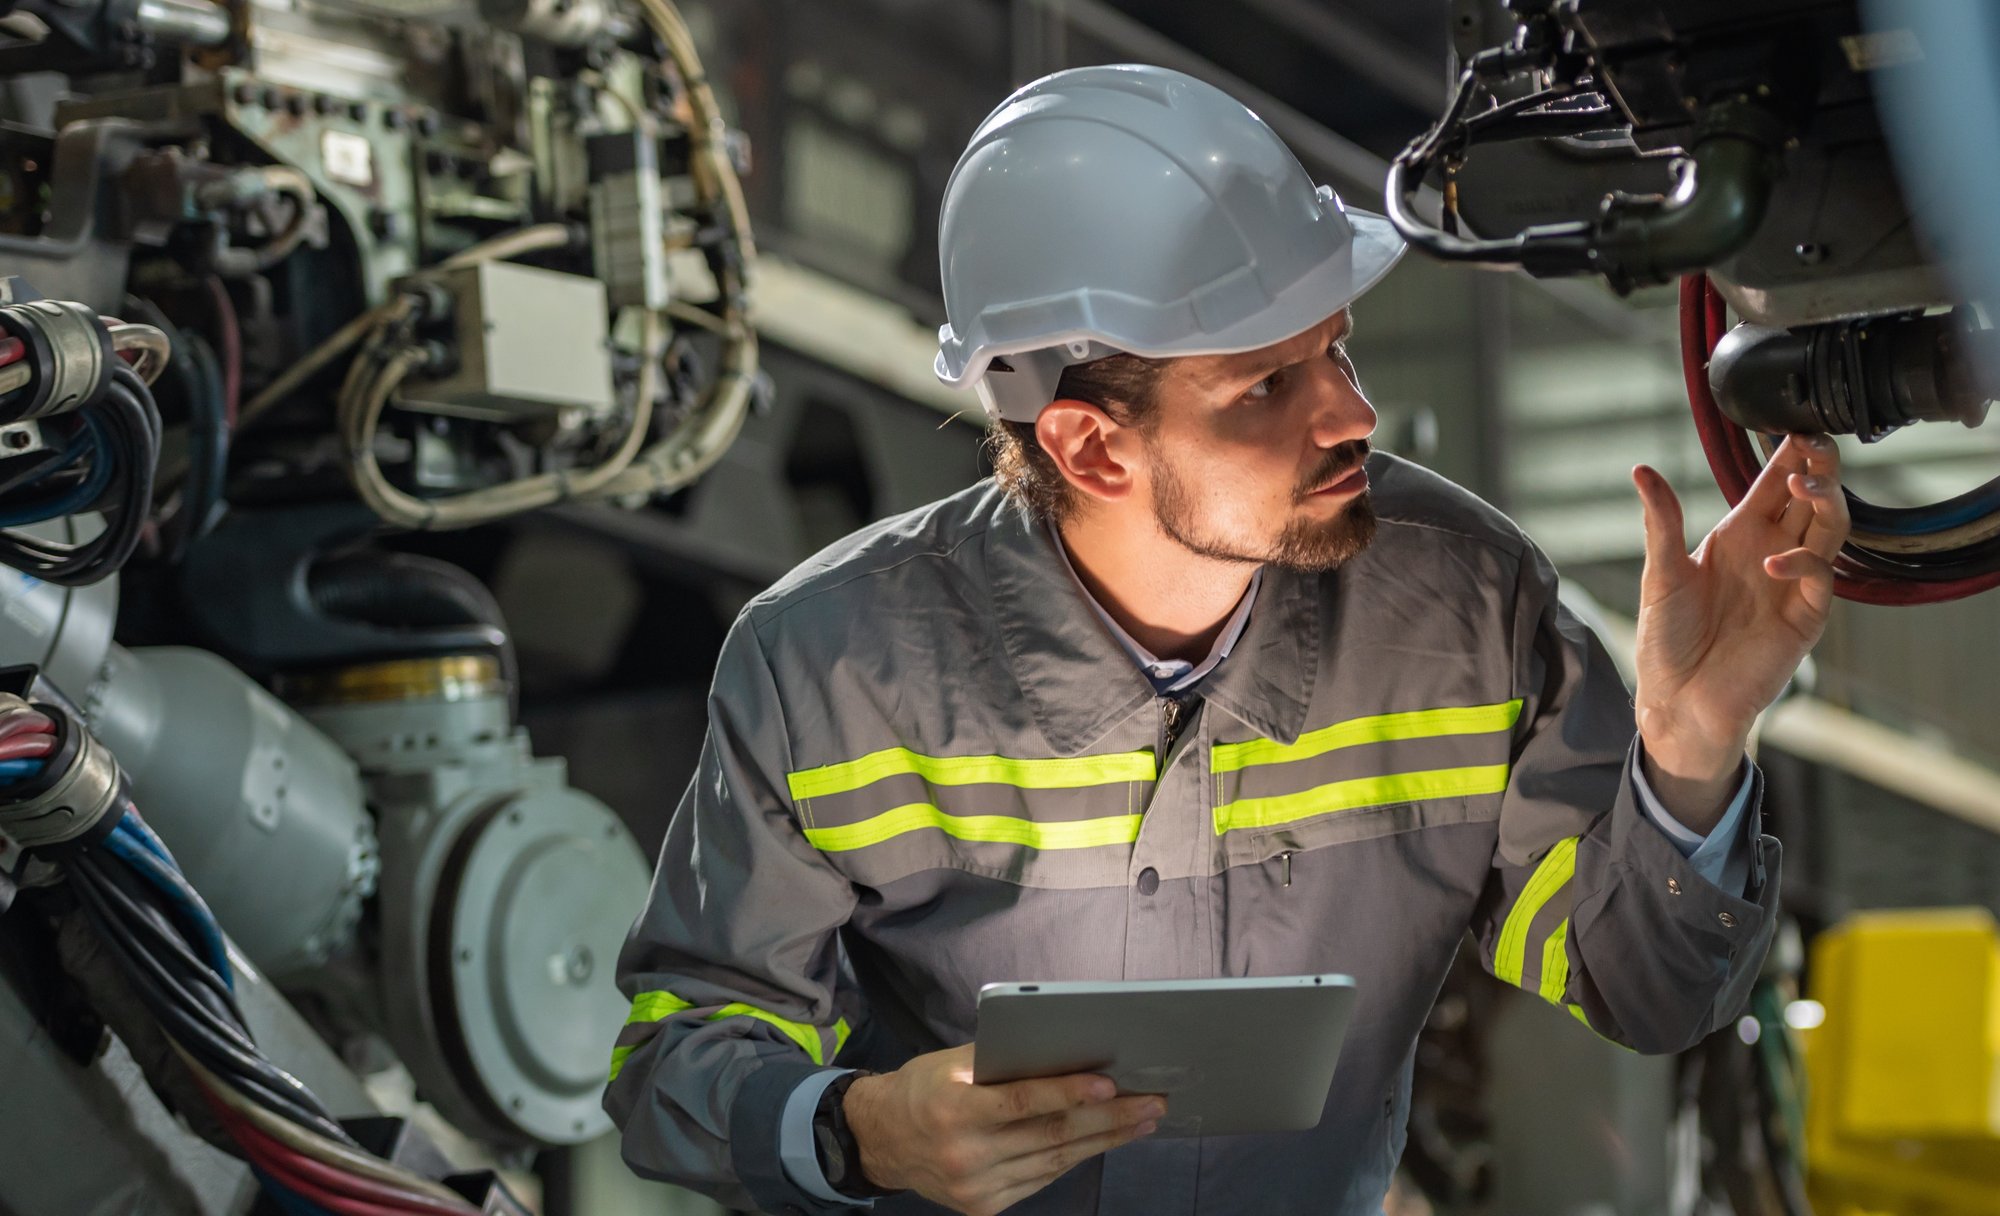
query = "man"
{"x": 1198, "y": 687}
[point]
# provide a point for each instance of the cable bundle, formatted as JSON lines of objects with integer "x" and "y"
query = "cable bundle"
{"x": 165, "y": 942}
{"x": 688, "y": 448}
{"x": 104, "y": 462}
{"x": 1914, "y": 555}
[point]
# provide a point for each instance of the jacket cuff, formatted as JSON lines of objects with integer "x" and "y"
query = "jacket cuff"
{"x": 1668, "y": 880}
{"x": 798, "y": 1150}
{"x": 756, "y": 1133}
{"x": 1667, "y": 935}
{"x": 1723, "y": 856}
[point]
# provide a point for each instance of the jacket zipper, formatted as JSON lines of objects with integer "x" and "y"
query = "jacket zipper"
{"x": 1170, "y": 728}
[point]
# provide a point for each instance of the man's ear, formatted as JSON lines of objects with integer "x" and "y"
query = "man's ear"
{"x": 1095, "y": 453}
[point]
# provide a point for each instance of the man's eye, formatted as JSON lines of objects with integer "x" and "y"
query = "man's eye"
{"x": 1263, "y": 388}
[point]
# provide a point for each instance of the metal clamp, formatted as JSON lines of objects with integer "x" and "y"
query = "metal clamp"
{"x": 80, "y": 787}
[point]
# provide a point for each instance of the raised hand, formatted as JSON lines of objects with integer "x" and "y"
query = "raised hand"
{"x": 1722, "y": 629}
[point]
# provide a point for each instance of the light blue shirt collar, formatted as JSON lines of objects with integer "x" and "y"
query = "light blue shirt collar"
{"x": 1168, "y": 675}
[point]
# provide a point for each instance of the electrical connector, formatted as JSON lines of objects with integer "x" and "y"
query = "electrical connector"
{"x": 68, "y": 351}
{"x": 70, "y": 800}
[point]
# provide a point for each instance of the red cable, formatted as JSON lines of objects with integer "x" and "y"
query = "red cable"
{"x": 27, "y": 747}
{"x": 1704, "y": 320}
{"x": 27, "y": 724}
{"x": 326, "y": 1185}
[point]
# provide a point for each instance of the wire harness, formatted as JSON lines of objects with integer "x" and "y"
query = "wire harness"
{"x": 635, "y": 469}
{"x": 100, "y": 430}
{"x": 166, "y": 945}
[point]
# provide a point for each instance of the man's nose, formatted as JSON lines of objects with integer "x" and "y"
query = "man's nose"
{"x": 1340, "y": 411}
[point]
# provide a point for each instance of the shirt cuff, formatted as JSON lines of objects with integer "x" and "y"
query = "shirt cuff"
{"x": 1723, "y": 856}
{"x": 798, "y": 1151}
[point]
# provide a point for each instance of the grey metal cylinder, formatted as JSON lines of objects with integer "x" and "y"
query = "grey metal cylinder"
{"x": 263, "y": 812}
{"x": 66, "y": 631}
{"x": 186, "y": 22}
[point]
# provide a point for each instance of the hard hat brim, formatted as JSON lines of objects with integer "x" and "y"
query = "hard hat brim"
{"x": 1316, "y": 295}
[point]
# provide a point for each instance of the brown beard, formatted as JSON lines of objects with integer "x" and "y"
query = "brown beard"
{"x": 1307, "y": 546}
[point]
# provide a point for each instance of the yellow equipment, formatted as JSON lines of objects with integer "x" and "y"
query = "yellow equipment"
{"x": 1903, "y": 1105}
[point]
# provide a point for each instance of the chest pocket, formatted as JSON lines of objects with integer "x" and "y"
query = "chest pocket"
{"x": 1361, "y": 778}
{"x": 1062, "y": 822}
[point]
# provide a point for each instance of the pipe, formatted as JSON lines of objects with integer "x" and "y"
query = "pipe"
{"x": 1715, "y": 211}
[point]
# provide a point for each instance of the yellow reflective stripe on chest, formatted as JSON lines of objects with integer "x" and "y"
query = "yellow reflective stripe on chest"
{"x": 1357, "y": 792}
{"x": 1062, "y": 773}
{"x": 1380, "y": 728}
{"x": 657, "y": 1006}
{"x": 993, "y": 829}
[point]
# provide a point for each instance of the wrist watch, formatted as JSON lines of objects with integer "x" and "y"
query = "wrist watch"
{"x": 839, "y": 1154}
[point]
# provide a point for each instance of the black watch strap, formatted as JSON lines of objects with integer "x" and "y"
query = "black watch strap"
{"x": 839, "y": 1154}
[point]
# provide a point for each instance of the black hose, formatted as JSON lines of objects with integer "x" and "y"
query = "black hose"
{"x": 410, "y": 592}
{"x": 1635, "y": 241}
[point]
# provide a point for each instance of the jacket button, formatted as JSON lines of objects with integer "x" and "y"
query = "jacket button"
{"x": 1673, "y": 886}
{"x": 1149, "y": 881}
{"x": 1728, "y": 921}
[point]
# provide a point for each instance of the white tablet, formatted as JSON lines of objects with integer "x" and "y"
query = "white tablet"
{"x": 1233, "y": 1055}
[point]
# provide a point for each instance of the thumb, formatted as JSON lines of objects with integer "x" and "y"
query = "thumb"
{"x": 1666, "y": 535}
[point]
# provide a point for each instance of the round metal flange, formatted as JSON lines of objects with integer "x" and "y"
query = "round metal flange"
{"x": 524, "y": 939}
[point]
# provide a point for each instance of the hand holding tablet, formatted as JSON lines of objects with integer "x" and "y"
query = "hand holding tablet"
{"x": 1234, "y": 1055}
{"x": 981, "y": 1148}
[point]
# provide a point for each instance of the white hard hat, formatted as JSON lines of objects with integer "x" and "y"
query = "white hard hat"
{"x": 1136, "y": 209}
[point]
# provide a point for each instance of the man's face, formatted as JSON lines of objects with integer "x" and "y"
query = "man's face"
{"x": 1256, "y": 457}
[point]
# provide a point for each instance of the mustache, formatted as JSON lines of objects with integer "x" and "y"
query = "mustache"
{"x": 1339, "y": 462}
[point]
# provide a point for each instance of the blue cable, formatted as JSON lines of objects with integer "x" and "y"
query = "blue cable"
{"x": 84, "y": 494}
{"x": 149, "y": 838}
{"x": 130, "y": 848}
{"x": 13, "y": 770}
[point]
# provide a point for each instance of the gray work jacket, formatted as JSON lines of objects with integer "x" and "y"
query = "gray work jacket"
{"x": 929, "y": 767}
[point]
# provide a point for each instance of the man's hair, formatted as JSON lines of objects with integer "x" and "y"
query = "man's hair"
{"x": 1123, "y": 386}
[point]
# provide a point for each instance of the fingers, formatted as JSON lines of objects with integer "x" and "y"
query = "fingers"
{"x": 1768, "y": 494}
{"x": 1039, "y": 1135}
{"x": 1019, "y": 1100}
{"x": 1666, "y": 529}
{"x": 1025, "y": 1175}
{"x": 1813, "y": 573}
{"x": 1824, "y": 529}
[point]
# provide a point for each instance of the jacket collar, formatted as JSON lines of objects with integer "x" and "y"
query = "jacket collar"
{"x": 1080, "y": 683}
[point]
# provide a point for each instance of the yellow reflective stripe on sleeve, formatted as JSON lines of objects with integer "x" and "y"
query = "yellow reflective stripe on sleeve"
{"x": 1381, "y": 728}
{"x": 1555, "y": 964}
{"x": 618, "y": 1055}
{"x": 807, "y": 1037}
{"x": 1359, "y": 792}
{"x": 994, "y": 829}
{"x": 1556, "y": 869}
{"x": 653, "y": 1006}
{"x": 1057, "y": 774}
